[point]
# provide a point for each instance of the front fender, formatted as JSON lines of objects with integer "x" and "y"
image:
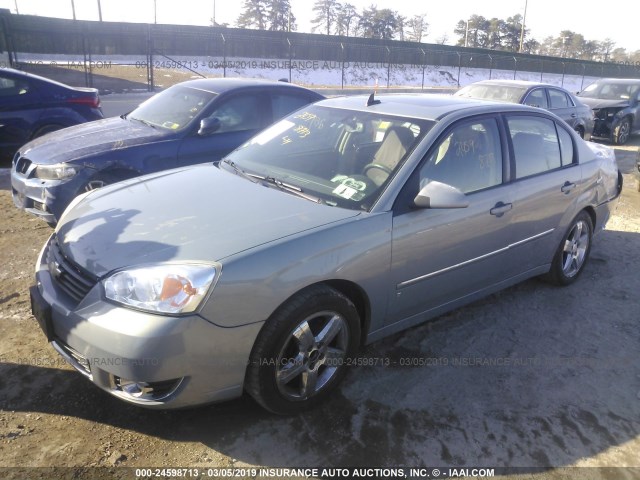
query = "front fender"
{"x": 254, "y": 283}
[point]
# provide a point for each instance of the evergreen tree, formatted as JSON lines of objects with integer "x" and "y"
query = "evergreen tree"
{"x": 254, "y": 15}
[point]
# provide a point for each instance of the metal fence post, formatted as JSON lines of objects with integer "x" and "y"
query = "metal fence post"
{"x": 343, "y": 57}
{"x": 424, "y": 65}
{"x": 388, "y": 66}
{"x": 515, "y": 67}
{"x": 490, "y": 65}
{"x": 84, "y": 55}
{"x": 224, "y": 55}
{"x": 541, "y": 69}
{"x": 459, "y": 67}
{"x": 563, "y": 68}
{"x": 290, "y": 58}
{"x": 150, "y": 80}
{"x": 584, "y": 70}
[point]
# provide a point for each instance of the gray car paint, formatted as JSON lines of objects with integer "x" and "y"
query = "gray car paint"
{"x": 401, "y": 266}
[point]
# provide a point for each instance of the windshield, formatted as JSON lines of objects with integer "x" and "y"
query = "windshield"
{"x": 173, "y": 109}
{"x": 344, "y": 158}
{"x": 501, "y": 93}
{"x": 610, "y": 91}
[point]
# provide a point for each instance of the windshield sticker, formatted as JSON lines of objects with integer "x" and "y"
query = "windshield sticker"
{"x": 345, "y": 191}
{"x": 171, "y": 125}
{"x": 272, "y": 132}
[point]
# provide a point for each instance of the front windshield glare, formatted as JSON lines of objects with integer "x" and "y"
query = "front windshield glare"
{"x": 501, "y": 93}
{"x": 345, "y": 158}
{"x": 610, "y": 91}
{"x": 173, "y": 109}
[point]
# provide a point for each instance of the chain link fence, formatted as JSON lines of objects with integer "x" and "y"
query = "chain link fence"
{"x": 125, "y": 56}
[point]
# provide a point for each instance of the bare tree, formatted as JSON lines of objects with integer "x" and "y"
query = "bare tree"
{"x": 417, "y": 27}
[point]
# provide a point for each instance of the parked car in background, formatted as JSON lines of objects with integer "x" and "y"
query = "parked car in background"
{"x": 192, "y": 122}
{"x": 542, "y": 95}
{"x": 616, "y": 107}
{"x": 31, "y": 106}
{"x": 347, "y": 221}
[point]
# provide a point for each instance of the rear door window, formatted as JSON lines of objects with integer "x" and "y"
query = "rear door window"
{"x": 535, "y": 145}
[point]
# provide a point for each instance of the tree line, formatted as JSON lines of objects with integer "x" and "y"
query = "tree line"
{"x": 333, "y": 17}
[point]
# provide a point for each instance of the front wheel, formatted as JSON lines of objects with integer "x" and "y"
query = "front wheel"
{"x": 621, "y": 132}
{"x": 573, "y": 252}
{"x": 302, "y": 352}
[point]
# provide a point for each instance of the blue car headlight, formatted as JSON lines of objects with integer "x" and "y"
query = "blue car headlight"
{"x": 58, "y": 171}
{"x": 167, "y": 288}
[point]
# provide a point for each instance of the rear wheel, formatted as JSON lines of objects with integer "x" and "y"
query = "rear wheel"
{"x": 301, "y": 353}
{"x": 573, "y": 252}
{"x": 580, "y": 131}
{"x": 621, "y": 132}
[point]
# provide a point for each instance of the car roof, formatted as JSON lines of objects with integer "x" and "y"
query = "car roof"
{"x": 33, "y": 76}
{"x": 633, "y": 81}
{"x": 422, "y": 105}
{"x": 221, "y": 85}
{"x": 515, "y": 83}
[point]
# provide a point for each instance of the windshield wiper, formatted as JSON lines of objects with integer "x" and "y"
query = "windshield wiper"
{"x": 143, "y": 121}
{"x": 240, "y": 171}
{"x": 286, "y": 187}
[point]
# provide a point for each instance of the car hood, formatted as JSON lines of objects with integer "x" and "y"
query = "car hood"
{"x": 193, "y": 214}
{"x": 91, "y": 138}
{"x": 595, "y": 103}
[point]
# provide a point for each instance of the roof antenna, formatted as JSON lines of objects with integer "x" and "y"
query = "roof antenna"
{"x": 372, "y": 100}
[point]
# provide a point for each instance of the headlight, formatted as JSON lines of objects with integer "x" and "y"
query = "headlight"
{"x": 58, "y": 171}
{"x": 162, "y": 288}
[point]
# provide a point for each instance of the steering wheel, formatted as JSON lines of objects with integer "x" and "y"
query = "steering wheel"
{"x": 377, "y": 166}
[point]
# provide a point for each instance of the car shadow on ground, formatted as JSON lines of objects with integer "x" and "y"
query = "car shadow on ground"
{"x": 534, "y": 376}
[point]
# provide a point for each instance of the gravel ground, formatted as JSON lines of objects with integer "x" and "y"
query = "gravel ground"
{"x": 535, "y": 376}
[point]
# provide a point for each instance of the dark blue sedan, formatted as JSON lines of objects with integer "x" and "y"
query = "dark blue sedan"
{"x": 31, "y": 106}
{"x": 192, "y": 122}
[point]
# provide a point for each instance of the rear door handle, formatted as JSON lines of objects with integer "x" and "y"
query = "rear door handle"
{"x": 573, "y": 115}
{"x": 500, "y": 209}
{"x": 567, "y": 187}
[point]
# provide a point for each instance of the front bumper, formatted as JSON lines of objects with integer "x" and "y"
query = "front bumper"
{"x": 603, "y": 128}
{"x": 46, "y": 199}
{"x": 151, "y": 360}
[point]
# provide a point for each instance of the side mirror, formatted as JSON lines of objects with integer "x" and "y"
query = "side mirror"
{"x": 440, "y": 195}
{"x": 208, "y": 126}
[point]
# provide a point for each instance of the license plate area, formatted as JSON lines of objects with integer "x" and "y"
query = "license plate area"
{"x": 42, "y": 312}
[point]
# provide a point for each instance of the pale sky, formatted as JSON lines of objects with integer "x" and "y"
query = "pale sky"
{"x": 595, "y": 19}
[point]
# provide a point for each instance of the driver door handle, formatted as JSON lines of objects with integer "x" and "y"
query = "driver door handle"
{"x": 567, "y": 187}
{"x": 500, "y": 209}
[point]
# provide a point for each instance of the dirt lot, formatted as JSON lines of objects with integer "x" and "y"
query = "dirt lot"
{"x": 534, "y": 376}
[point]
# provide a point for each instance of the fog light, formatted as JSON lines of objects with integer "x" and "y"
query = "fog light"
{"x": 150, "y": 391}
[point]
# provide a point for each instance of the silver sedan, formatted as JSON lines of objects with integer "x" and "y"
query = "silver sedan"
{"x": 346, "y": 222}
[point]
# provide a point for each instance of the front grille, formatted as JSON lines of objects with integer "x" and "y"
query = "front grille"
{"x": 78, "y": 361}
{"x": 23, "y": 165}
{"x": 69, "y": 277}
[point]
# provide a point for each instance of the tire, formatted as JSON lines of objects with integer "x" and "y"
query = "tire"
{"x": 301, "y": 353}
{"x": 573, "y": 252}
{"x": 580, "y": 132}
{"x": 622, "y": 132}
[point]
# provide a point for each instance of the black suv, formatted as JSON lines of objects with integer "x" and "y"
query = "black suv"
{"x": 616, "y": 106}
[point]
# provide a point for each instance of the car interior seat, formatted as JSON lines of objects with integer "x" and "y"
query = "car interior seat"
{"x": 395, "y": 144}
